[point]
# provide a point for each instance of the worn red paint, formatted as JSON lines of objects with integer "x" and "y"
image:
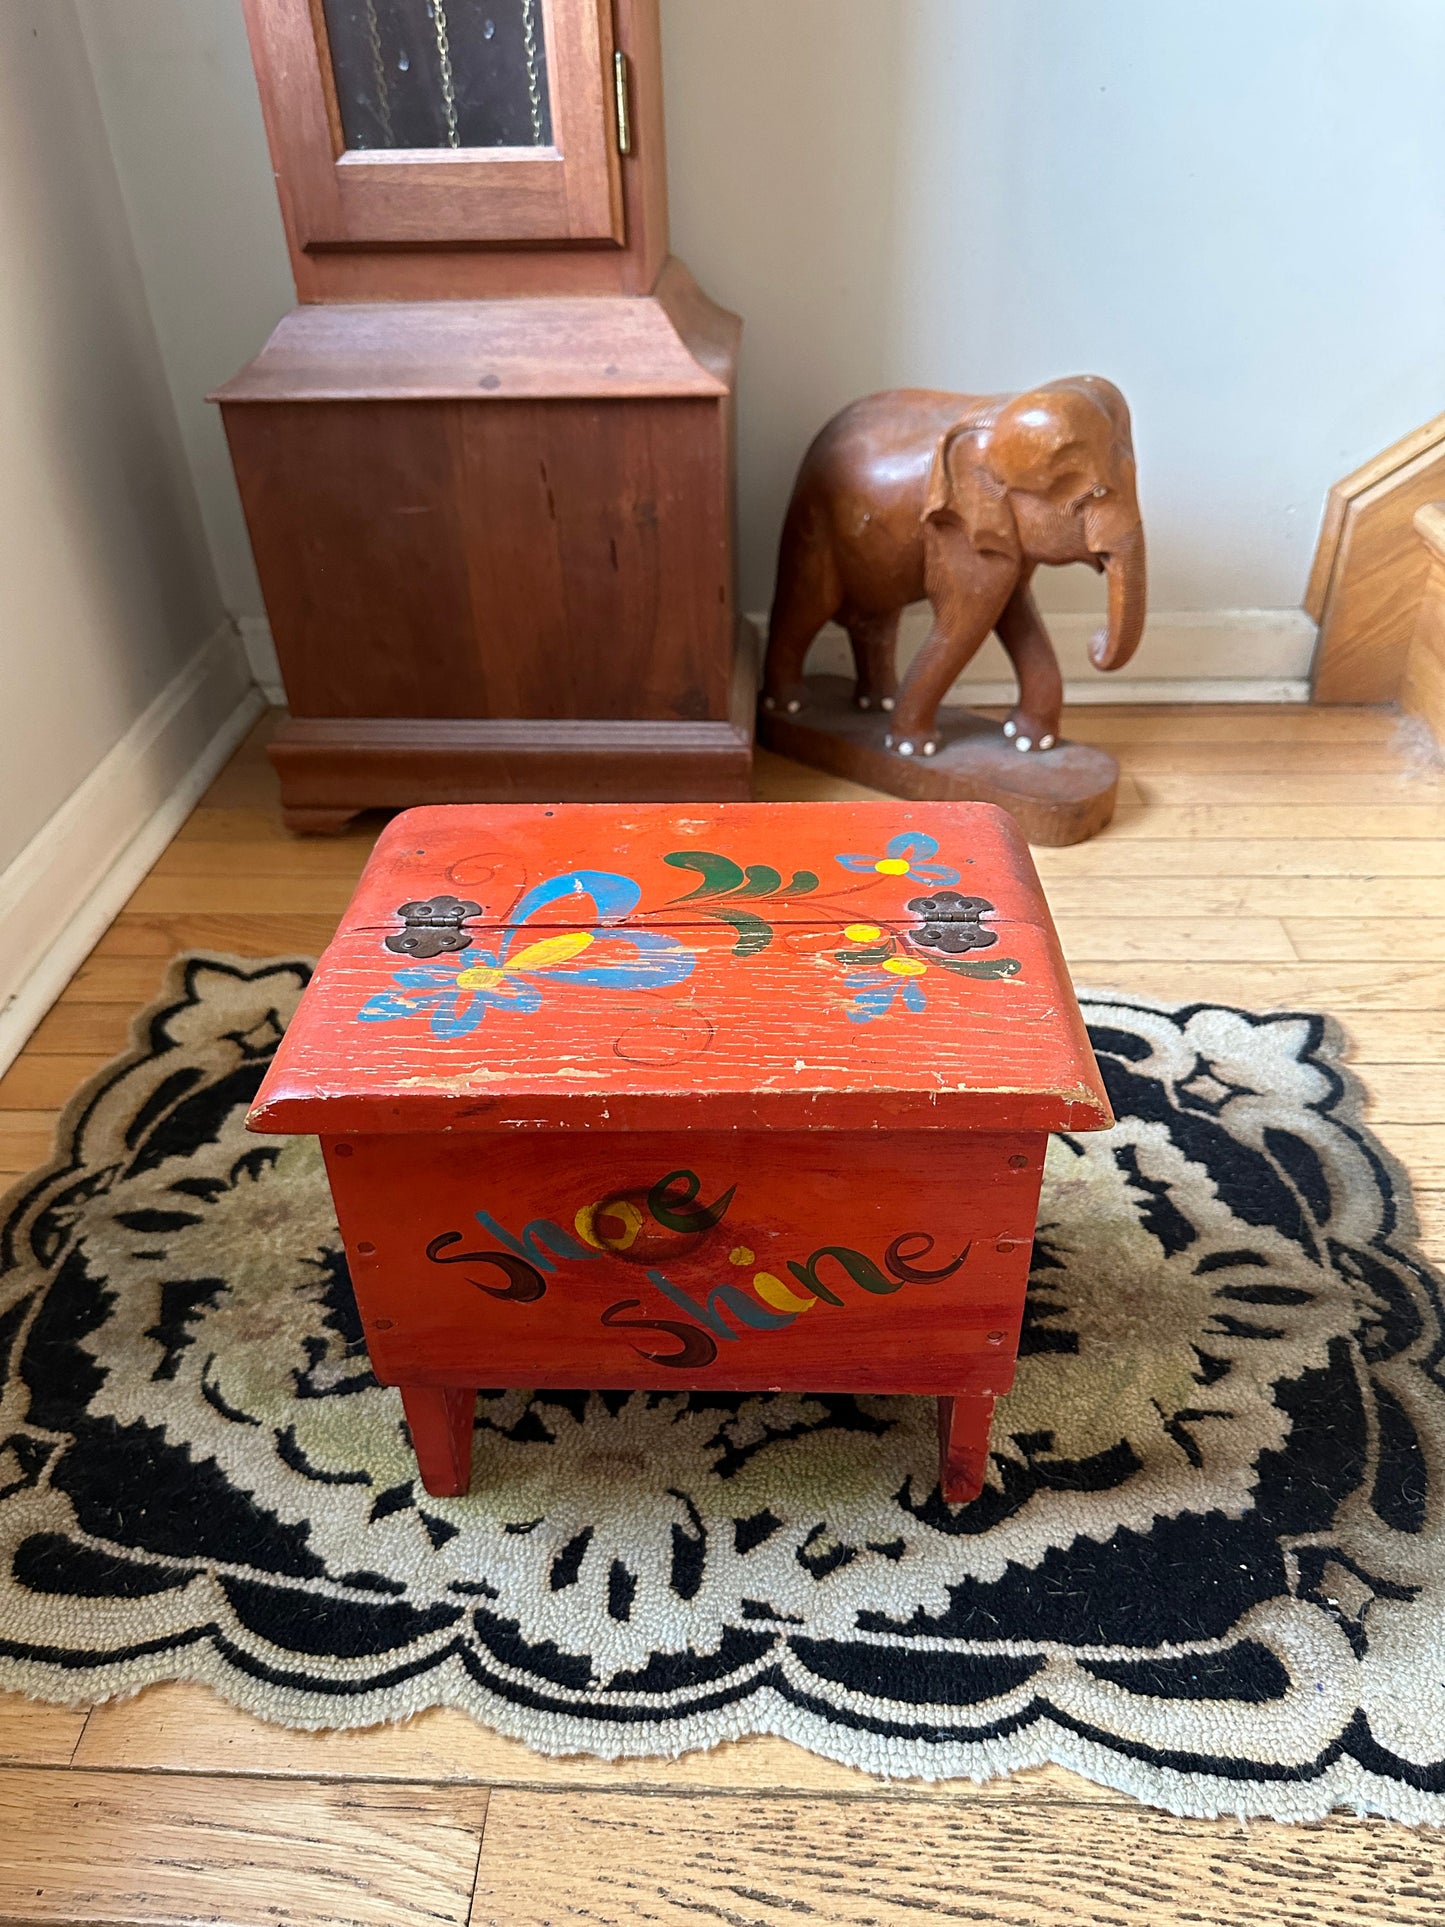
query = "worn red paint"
{"x": 747, "y": 1096}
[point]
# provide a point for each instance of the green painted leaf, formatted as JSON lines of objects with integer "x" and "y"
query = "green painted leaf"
{"x": 762, "y": 881}
{"x": 866, "y": 956}
{"x": 719, "y": 873}
{"x": 753, "y": 934}
{"x": 995, "y": 967}
{"x": 803, "y": 882}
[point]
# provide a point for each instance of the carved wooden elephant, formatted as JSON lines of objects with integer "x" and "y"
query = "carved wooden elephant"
{"x": 958, "y": 498}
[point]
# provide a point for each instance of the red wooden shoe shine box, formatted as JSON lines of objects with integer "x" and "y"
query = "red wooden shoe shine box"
{"x": 745, "y": 1096}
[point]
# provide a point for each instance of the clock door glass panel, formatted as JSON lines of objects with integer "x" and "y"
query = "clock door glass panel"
{"x": 439, "y": 73}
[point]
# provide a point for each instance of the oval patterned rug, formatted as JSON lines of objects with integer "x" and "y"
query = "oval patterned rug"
{"x": 1207, "y": 1568}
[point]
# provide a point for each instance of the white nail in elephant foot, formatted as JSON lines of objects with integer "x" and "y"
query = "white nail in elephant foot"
{"x": 1027, "y": 736}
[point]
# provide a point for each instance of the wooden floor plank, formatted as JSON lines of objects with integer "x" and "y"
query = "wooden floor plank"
{"x": 1403, "y": 788}
{"x": 1218, "y": 897}
{"x": 1419, "y": 1147}
{"x": 1191, "y": 723}
{"x": 1342, "y": 988}
{"x": 35, "y": 1082}
{"x": 261, "y": 822}
{"x": 34, "y": 1734}
{"x": 240, "y": 935}
{"x": 25, "y": 1139}
{"x": 111, "y": 979}
{"x": 1411, "y": 1093}
{"x": 1296, "y": 856}
{"x": 1114, "y": 939}
{"x": 230, "y": 894}
{"x": 1232, "y": 818}
{"x": 185, "y": 1729}
{"x": 1323, "y": 939}
{"x": 1146, "y": 757}
{"x": 608, "y": 1860}
{"x": 83, "y": 1030}
{"x": 1430, "y": 1210}
{"x": 321, "y": 857}
{"x": 153, "y": 1851}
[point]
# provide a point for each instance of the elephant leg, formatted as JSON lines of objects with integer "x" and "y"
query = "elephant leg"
{"x": 1034, "y": 723}
{"x": 875, "y": 652}
{"x": 968, "y": 599}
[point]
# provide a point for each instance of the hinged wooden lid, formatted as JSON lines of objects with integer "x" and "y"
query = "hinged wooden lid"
{"x": 671, "y": 966}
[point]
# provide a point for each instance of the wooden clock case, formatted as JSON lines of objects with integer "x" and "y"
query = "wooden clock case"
{"x": 486, "y": 465}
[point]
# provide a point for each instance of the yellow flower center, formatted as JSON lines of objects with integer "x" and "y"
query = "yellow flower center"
{"x": 862, "y": 932}
{"x": 905, "y": 966}
{"x": 891, "y": 866}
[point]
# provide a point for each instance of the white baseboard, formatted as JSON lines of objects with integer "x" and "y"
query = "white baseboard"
{"x": 60, "y": 894}
{"x": 1187, "y": 656}
{"x": 261, "y": 655}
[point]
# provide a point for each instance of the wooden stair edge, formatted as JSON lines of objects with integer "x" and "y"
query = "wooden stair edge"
{"x": 1422, "y": 687}
{"x": 1377, "y": 469}
{"x": 1369, "y": 570}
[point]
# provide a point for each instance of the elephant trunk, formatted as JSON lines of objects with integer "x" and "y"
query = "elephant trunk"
{"x": 1112, "y": 647}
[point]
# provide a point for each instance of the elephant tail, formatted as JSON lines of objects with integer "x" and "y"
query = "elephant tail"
{"x": 808, "y": 592}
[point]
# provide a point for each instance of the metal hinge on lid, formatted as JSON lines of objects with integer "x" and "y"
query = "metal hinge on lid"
{"x": 624, "y": 111}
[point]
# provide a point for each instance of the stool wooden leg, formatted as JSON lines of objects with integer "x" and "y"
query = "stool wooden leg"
{"x": 963, "y": 1427}
{"x": 440, "y": 1418}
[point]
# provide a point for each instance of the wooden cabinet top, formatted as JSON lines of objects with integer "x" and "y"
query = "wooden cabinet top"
{"x": 669, "y": 966}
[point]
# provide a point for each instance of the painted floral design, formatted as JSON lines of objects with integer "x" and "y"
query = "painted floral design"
{"x": 456, "y": 993}
{"x": 875, "y": 991}
{"x": 905, "y": 856}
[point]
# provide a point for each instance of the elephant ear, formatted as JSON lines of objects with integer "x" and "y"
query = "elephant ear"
{"x": 963, "y": 489}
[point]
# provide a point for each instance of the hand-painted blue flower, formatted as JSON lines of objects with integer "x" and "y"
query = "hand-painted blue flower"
{"x": 874, "y": 991}
{"x": 458, "y": 991}
{"x": 905, "y": 857}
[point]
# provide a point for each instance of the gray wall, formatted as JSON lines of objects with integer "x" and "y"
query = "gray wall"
{"x": 107, "y": 586}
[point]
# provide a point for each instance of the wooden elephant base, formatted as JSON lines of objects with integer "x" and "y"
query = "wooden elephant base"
{"x": 1057, "y": 796}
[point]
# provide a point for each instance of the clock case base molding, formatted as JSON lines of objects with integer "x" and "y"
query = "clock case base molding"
{"x": 1058, "y": 796}
{"x": 334, "y": 767}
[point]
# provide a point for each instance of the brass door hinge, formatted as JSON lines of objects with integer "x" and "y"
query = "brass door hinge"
{"x": 624, "y": 110}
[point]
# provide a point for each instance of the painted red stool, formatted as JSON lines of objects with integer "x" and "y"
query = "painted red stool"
{"x": 745, "y": 1097}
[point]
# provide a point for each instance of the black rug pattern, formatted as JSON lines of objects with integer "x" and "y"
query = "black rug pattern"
{"x": 1206, "y": 1569}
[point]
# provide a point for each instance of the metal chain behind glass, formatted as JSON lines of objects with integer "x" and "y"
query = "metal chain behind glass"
{"x": 534, "y": 88}
{"x": 378, "y": 69}
{"x": 444, "y": 63}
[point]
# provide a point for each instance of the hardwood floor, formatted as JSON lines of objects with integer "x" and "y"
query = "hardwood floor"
{"x": 1276, "y": 857}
